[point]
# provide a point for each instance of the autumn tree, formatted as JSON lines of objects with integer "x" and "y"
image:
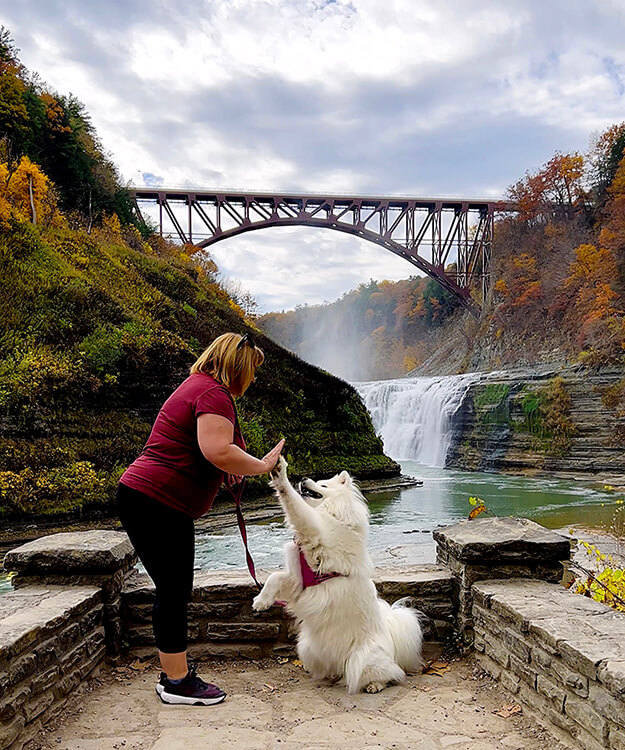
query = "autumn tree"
{"x": 14, "y": 120}
{"x": 56, "y": 133}
{"x": 556, "y": 190}
{"x": 605, "y": 156}
{"x": 27, "y": 193}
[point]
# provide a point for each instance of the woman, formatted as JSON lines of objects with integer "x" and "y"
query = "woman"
{"x": 195, "y": 445}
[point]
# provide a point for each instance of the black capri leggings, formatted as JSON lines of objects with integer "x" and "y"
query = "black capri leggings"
{"x": 164, "y": 539}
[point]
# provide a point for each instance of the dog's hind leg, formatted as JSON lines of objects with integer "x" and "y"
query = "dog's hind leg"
{"x": 372, "y": 669}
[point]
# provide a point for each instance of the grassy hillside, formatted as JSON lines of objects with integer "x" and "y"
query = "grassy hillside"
{"x": 100, "y": 320}
{"x": 96, "y": 331}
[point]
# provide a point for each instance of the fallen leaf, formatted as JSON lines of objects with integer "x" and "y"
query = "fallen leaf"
{"x": 297, "y": 662}
{"x": 476, "y": 511}
{"x": 512, "y": 709}
{"x": 283, "y": 660}
{"x": 437, "y": 667}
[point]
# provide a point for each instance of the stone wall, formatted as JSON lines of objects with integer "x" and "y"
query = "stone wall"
{"x": 51, "y": 638}
{"x": 58, "y": 624}
{"x": 85, "y": 558}
{"x": 79, "y": 599}
{"x": 222, "y": 622}
{"x": 493, "y": 432}
{"x": 560, "y": 654}
{"x": 488, "y": 548}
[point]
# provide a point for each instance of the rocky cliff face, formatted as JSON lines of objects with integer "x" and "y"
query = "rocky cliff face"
{"x": 560, "y": 422}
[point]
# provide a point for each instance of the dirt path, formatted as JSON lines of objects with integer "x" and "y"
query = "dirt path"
{"x": 275, "y": 705}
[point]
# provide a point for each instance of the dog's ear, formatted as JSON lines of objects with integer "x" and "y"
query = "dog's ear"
{"x": 344, "y": 478}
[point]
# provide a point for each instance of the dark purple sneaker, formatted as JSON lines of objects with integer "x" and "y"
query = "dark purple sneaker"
{"x": 192, "y": 691}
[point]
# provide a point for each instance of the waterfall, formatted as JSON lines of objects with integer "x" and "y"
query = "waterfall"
{"x": 413, "y": 416}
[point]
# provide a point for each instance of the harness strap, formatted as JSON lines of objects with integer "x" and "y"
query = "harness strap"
{"x": 312, "y": 577}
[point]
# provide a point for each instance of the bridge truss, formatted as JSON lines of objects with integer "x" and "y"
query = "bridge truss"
{"x": 448, "y": 239}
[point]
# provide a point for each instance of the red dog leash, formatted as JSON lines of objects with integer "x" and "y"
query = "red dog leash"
{"x": 237, "y": 495}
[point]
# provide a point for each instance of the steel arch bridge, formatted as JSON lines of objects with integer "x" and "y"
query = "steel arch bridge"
{"x": 434, "y": 234}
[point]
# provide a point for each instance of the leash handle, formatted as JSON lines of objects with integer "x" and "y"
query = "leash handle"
{"x": 243, "y": 531}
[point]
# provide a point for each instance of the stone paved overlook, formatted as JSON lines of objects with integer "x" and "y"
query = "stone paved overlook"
{"x": 79, "y": 607}
{"x": 273, "y": 706}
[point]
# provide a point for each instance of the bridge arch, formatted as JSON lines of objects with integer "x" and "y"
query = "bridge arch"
{"x": 428, "y": 233}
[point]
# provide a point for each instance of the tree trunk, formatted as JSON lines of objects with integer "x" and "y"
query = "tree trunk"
{"x": 90, "y": 223}
{"x": 32, "y": 200}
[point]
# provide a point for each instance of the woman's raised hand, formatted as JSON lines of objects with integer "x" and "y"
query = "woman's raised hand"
{"x": 271, "y": 459}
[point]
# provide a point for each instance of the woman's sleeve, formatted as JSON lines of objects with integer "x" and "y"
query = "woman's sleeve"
{"x": 215, "y": 401}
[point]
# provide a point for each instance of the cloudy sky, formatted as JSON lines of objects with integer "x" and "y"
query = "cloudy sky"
{"x": 410, "y": 97}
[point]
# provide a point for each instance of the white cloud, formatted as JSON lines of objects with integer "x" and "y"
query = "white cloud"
{"x": 397, "y": 97}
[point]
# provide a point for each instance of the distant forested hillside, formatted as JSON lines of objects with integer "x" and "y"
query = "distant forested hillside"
{"x": 557, "y": 295}
{"x": 379, "y": 330}
{"x": 100, "y": 321}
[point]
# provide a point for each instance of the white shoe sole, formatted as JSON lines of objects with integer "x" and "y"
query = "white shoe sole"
{"x": 183, "y": 700}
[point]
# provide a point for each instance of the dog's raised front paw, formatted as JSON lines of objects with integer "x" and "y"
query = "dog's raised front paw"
{"x": 375, "y": 687}
{"x": 278, "y": 474}
{"x": 259, "y": 604}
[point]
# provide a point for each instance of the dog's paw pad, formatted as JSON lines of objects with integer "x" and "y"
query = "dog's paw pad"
{"x": 279, "y": 470}
{"x": 374, "y": 687}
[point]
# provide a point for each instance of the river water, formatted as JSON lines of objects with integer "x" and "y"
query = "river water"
{"x": 402, "y": 520}
{"x": 414, "y": 417}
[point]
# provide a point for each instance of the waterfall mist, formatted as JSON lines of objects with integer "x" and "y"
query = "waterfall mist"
{"x": 332, "y": 346}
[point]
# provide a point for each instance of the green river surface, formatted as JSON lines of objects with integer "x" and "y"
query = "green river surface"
{"x": 402, "y": 520}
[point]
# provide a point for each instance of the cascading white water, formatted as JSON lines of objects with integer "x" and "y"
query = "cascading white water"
{"x": 413, "y": 416}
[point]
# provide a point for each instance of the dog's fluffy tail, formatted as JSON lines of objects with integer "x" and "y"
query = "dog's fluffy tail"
{"x": 407, "y": 636}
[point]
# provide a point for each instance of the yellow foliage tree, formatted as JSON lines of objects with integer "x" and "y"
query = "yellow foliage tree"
{"x": 591, "y": 273}
{"x": 29, "y": 193}
{"x": 5, "y": 206}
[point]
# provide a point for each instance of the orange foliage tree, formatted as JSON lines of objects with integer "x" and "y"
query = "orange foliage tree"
{"x": 521, "y": 285}
{"x": 556, "y": 189}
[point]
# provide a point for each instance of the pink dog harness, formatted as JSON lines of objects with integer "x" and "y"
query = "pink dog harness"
{"x": 309, "y": 576}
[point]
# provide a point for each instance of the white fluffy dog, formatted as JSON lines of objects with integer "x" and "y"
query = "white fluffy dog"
{"x": 345, "y": 631}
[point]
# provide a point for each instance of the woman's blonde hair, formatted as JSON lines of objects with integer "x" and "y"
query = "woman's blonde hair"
{"x": 232, "y": 360}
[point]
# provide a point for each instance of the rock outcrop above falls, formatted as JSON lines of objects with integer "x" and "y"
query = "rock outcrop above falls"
{"x": 562, "y": 422}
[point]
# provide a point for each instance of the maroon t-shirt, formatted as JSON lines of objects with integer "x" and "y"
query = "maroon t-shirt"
{"x": 171, "y": 467}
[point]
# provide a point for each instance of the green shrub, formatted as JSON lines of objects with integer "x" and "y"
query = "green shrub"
{"x": 52, "y": 491}
{"x": 103, "y": 349}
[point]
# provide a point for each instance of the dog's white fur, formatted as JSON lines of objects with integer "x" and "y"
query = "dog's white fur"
{"x": 345, "y": 631}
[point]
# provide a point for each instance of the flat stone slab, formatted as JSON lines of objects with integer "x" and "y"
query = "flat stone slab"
{"x": 276, "y": 705}
{"x": 238, "y": 584}
{"x": 506, "y": 539}
{"x": 28, "y": 613}
{"x": 588, "y": 635}
{"x": 96, "y": 551}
